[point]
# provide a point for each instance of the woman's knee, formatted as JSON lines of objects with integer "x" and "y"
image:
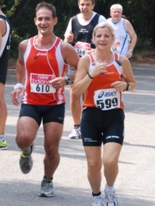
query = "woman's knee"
{"x": 110, "y": 163}
{"x": 94, "y": 166}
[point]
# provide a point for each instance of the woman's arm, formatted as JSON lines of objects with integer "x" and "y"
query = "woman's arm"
{"x": 84, "y": 77}
{"x": 129, "y": 82}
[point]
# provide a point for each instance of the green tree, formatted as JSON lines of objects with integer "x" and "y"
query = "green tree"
{"x": 22, "y": 12}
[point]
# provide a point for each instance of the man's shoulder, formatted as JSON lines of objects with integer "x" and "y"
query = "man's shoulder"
{"x": 24, "y": 42}
{"x": 4, "y": 18}
{"x": 2, "y": 26}
{"x": 101, "y": 18}
{"x": 75, "y": 16}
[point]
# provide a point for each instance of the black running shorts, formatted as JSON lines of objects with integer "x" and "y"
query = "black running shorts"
{"x": 99, "y": 127}
{"x": 54, "y": 113}
{"x": 3, "y": 74}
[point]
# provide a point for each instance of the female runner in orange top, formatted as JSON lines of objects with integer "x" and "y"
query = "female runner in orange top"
{"x": 103, "y": 75}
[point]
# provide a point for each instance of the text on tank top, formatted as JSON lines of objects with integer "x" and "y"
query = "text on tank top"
{"x": 82, "y": 41}
{"x": 42, "y": 66}
{"x": 100, "y": 93}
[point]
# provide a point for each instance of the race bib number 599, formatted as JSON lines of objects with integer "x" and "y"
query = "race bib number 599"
{"x": 39, "y": 83}
{"x": 107, "y": 99}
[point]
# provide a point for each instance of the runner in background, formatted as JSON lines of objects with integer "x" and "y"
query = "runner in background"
{"x": 79, "y": 34}
{"x": 5, "y": 39}
{"x": 125, "y": 36}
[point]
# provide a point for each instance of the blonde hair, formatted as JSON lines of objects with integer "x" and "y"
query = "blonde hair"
{"x": 102, "y": 25}
{"x": 116, "y": 6}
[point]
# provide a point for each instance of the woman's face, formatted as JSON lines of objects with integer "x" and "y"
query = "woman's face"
{"x": 103, "y": 38}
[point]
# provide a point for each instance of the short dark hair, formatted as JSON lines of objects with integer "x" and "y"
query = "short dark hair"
{"x": 93, "y": 1}
{"x": 48, "y": 6}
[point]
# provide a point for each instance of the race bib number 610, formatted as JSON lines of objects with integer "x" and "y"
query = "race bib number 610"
{"x": 40, "y": 83}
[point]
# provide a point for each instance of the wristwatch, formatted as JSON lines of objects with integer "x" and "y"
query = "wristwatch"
{"x": 68, "y": 80}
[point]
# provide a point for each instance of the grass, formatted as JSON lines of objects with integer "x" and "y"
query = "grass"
{"x": 144, "y": 56}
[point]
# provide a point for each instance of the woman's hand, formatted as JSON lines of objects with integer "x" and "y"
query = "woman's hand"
{"x": 119, "y": 85}
{"x": 98, "y": 69}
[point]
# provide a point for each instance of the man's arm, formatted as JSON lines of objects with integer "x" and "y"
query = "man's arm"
{"x": 2, "y": 32}
{"x": 20, "y": 73}
{"x": 69, "y": 36}
{"x": 132, "y": 35}
{"x": 69, "y": 54}
{"x": 20, "y": 67}
{"x": 71, "y": 58}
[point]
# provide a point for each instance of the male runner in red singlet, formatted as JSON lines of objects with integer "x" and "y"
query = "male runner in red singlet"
{"x": 40, "y": 73}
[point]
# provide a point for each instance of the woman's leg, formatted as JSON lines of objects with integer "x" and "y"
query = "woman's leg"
{"x": 94, "y": 161}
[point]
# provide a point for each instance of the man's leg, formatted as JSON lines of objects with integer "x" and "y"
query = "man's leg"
{"x": 53, "y": 133}
{"x": 3, "y": 117}
{"x": 26, "y": 132}
{"x": 75, "y": 107}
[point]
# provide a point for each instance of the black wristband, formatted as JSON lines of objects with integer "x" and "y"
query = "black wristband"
{"x": 127, "y": 87}
{"x": 90, "y": 76}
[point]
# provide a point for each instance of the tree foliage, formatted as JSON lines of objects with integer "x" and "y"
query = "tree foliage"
{"x": 22, "y": 12}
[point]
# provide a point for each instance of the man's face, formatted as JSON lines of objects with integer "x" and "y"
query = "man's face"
{"x": 45, "y": 21}
{"x": 116, "y": 14}
{"x": 86, "y": 7}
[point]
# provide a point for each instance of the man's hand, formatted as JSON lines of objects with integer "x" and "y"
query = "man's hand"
{"x": 58, "y": 82}
{"x": 70, "y": 37}
{"x": 14, "y": 96}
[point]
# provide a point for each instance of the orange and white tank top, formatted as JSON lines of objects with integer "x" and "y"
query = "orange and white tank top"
{"x": 100, "y": 93}
{"x": 41, "y": 66}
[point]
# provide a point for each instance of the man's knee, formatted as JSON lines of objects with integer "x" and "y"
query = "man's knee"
{"x": 23, "y": 139}
{"x": 51, "y": 150}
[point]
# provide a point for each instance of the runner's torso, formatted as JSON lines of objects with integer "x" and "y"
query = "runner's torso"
{"x": 82, "y": 41}
{"x": 122, "y": 39}
{"x": 41, "y": 66}
{"x": 100, "y": 93}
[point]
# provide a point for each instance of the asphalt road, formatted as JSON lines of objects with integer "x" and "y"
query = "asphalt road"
{"x": 135, "y": 184}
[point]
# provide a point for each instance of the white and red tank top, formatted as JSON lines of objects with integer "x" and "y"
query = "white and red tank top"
{"x": 122, "y": 38}
{"x": 41, "y": 66}
{"x": 100, "y": 93}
